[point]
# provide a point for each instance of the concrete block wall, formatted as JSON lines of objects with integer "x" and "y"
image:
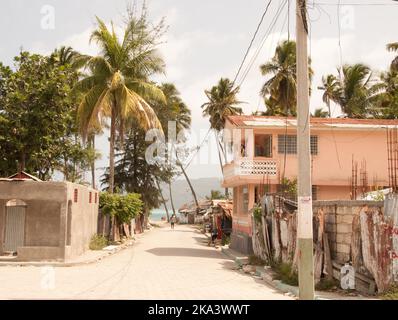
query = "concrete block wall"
{"x": 338, "y": 223}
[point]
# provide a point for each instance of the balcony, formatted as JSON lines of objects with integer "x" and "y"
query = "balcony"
{"x": 247, "y": 168}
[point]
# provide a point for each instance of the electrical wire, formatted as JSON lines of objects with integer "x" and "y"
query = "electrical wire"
{"x": 252, "y": 40}
{"x": 265, "y": 37}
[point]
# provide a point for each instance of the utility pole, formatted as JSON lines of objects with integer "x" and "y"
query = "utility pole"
{"x": 304, "y": 217}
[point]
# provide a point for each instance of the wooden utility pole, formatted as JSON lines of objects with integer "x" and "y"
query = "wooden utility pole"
{"x": 304, "y": 227}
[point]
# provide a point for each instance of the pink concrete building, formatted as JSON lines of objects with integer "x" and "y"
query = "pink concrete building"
{"x": 262, "y": 150}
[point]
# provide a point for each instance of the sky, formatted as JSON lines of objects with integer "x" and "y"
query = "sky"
{"x": 206, "y": 40}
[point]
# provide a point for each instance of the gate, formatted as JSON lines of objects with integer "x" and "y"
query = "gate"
{"x": 15, "y": 227}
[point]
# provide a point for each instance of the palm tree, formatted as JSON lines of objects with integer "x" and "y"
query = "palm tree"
{"x": 320, "y": 113}
{"x": 330, "y": 87}
{"x": 67, "y": 56}
{"x": 222, "y": 103}
{"x": 352, "y": 90}
{"x": 117, "y": 86}
{"x": 279, "y": 91}
{"x": 386, "y": 101}
{"x": 394, "y": 48}
{"x": 174, "y": 109}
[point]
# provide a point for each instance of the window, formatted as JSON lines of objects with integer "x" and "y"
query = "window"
{"x": 75, "y": 195}
{"x": 314, "y": 145}
{"x": 290, "y": 141}
{"x": 245, "y": 200}
{"x": 263, "y": 145}
{"x": 90, "y": 197}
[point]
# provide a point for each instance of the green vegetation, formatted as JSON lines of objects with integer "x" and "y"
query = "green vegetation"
{"x": 320, "y": 113}
{"x": 285, "y": 273}
{"x": 222, "y": 102}
{"x": 257, "y": 212}
{"x": 327, "y": 284}
{"x": 256, "y": 261}
{"x": 289, "y": 186}
{"x": 38, "y": 132}
{"x": 118, "y": 84}
{"x": 215, "y": 195}
{"x": 226, "y": 240}
{"x": 123, "y": 207}
{"x": 390, "y": 294}
{"x": 98, "y": 242}
{"x": 279, "y": 91}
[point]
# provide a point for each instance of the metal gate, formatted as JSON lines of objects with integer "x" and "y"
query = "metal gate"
{"x": 15, "y": 228}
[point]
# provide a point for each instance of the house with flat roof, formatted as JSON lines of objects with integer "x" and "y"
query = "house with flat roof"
{"x": 263, "y": 152}
{"x": 45, "y": 220}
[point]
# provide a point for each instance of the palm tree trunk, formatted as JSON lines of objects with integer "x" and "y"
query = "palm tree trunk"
{"x": 330, "y": 113}
{"x": 93, "y": 162}
{"x": 171, "y": 200}
{"x": 220, "y": 159}
{"x": 189, "y": 183}
{"x": 163, "y": 200}
{"x": 112, "y": 152}
{"x": 114, "y": 224}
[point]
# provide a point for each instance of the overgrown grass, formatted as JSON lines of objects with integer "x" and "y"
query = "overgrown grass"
{"x": 390, "y": 294}
{"x": 327, "y": 284}
{"x": 98, "y": 242}
{"x": 256, "y": 261}
{"x": 285, "y": 273}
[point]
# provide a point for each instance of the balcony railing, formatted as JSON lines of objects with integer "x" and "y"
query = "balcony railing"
{"x": 245, "y": 167}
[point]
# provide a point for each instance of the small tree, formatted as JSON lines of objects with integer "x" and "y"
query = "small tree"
{"x": 215, "y": 194}
{"x": 122, "y": 207}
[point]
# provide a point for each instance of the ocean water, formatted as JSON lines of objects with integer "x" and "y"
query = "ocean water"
{"x": 157, "y": 214}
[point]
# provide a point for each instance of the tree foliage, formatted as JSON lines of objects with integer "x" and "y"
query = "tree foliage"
{"x": 215, "y": 195}
{"x": 222, "y": 102}
{"x": 352, "y": 89}
{"x": 37, "y": 109}
{"x": 122, "y": 206}
{"x": 117, "y": 85}
{"x": 280, "y": 89}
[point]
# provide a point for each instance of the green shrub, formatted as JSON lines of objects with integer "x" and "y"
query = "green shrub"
{"x": 390, "y": 294}
{"x": 225, "y": 239}
{"x": 123, "y": 207}
{"x": 327, "y": 284}
{"x": 98, "y": 242}
{"x": 256, "y": 261}
{"x": 257, "y": 213}
{"x": 285, "y": 273}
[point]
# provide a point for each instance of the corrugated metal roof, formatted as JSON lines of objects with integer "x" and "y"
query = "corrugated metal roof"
{"x": 343, "y": 123}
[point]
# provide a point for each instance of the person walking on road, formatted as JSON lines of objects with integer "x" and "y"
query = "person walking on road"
{"x": 214, "y": 235}
{"x": 172, "y": 221}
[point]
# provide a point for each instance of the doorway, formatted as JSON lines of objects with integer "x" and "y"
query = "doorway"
{"x": 15, "y": 225}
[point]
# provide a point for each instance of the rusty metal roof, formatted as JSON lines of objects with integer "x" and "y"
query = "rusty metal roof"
{"x": 21, "y": 176}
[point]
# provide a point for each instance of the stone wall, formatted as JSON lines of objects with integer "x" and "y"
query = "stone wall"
{"x": 338, "y": 223}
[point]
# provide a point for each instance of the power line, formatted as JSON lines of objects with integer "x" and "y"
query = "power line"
{"x": 265, "y": 37}
{"x": 198, "y": 149}
{"x": 262, "y": 42}
{"x": 252, "y": 40}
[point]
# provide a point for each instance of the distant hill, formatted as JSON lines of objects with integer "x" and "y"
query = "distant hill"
{"x": 182, "y": 193}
